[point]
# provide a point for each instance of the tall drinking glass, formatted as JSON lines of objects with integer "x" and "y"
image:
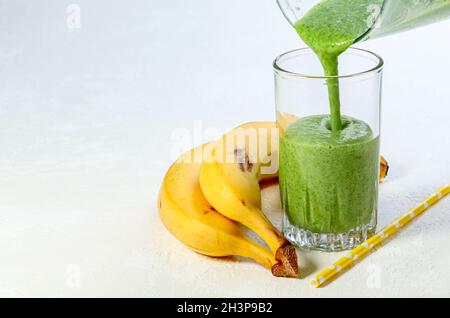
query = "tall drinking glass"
{"x": 329, "y": 178}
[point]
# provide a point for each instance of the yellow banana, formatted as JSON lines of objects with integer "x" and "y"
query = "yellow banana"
{"x": 230, "y": 177}
{"x": 191, "y": 219}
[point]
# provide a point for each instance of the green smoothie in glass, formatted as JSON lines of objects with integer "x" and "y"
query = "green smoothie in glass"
{"x": 329, "y": 162}
{"x": 328, "y": 179}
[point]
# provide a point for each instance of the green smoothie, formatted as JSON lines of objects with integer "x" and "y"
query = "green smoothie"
{"x": 329, "y": 180}
{"x": 329, "y": 163}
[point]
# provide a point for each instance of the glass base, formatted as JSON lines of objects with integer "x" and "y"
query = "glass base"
{"x": 327, "y": 242}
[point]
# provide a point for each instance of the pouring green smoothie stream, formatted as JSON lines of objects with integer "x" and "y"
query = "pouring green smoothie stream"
{"x": 330, "y": 28}
{"x": 329, "y": 163}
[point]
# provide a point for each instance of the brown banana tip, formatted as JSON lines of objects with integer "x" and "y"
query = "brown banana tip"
{"x": 287, "y": 265}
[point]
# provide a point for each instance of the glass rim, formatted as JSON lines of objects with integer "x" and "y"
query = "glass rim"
{"x": 280, "y": 70}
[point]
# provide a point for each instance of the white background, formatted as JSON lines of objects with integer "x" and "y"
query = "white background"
{"x": 86, "y": 122}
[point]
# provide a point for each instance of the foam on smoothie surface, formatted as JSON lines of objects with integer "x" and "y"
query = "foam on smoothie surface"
{"x": 330, "y": 28}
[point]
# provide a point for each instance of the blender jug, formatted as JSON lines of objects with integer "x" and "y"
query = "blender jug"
{"x": 386, "y": 16}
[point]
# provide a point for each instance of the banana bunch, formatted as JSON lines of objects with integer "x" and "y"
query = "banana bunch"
{"x": 190, "y": 218}
{"x": 211, "y": 191}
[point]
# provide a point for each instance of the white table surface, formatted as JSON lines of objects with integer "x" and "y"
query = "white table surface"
{"x": 86, "y": 122}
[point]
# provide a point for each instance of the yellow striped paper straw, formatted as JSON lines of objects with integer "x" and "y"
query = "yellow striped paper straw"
{"x": 365, "y": 248}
